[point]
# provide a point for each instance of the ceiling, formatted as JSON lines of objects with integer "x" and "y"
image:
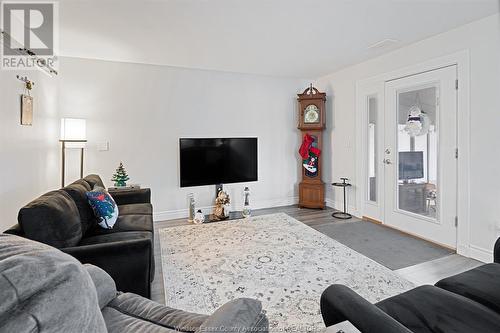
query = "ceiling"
{"x": 292, "y": 38}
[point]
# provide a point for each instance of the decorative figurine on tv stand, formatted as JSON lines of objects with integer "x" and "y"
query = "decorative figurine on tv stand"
{"x": 247, "y": 211}
{"x": 221, "y": 201}
{"x": 199, "y": 217}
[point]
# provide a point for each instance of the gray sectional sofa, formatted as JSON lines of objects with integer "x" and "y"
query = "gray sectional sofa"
{"x": 45, "y": 290}
{"x": 64, "y": 219}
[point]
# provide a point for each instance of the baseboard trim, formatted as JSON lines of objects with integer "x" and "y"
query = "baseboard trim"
{"x": 372, "y": 220}
{"x": 174, "y": 214}
{"x": 259, "y": 204}
{"x": 478, "y": 253}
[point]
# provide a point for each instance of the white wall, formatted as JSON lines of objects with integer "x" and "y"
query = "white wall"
{"x": 143, "y": 110}
{"x": 29, "y": 155}
{"x": 482, "y": 39}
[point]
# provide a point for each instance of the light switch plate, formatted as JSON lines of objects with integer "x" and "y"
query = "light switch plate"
{"x": 103, "y": 146}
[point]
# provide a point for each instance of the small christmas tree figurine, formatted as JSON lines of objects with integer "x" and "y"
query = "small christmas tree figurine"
{"x": 120, "y": 177}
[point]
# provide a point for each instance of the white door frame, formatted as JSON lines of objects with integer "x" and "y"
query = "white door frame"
{"x": 374, "y": 210}
{"x": 375, "y": 84}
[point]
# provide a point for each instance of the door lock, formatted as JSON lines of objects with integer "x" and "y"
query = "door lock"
{"x": 387, "y": 151}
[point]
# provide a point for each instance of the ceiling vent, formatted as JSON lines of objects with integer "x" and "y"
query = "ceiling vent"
{"x": 383, "y": 43}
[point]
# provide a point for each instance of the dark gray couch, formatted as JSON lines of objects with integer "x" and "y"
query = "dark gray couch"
{"x": 64, "y": 219}
{"x": 466, "y": 302}
{"x": 45, "y": 290}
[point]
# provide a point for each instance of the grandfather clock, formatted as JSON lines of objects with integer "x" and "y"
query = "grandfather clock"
{"x": 311, "y": 126}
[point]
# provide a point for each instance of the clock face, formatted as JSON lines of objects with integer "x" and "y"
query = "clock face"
{"x": 311, "y": 114}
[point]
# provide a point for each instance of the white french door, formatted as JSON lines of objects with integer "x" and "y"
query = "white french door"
{"x": 419, "y": 155}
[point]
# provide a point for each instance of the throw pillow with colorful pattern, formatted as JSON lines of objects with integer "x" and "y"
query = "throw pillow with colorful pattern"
{"x": 105, "y": 208}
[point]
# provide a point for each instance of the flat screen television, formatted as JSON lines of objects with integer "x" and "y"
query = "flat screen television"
{"x": 212, "y": 161}
{"x": 411, "y": 165}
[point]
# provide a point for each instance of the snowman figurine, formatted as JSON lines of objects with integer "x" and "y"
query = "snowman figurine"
{"x": 199, "y": 217}
{"x": 417, "y": 123}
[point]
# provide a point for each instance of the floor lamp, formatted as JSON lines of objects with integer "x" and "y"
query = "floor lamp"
{"x": 73, "y": 135}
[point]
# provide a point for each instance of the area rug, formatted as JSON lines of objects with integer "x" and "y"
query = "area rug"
{"x": 273, "y": 258}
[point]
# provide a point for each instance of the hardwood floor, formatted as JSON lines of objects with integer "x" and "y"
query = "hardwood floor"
{"x": 425, "y": 273}
{"x": 432, "y": 271}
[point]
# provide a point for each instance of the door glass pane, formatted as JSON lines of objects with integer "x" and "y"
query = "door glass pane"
{"x": 418, "y": 151}
{"x": 372, "y": 148}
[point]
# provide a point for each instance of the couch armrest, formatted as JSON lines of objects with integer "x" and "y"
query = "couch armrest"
{"x": 496, "y": 251}
{"x": 15, "y": 230}
{"x": 340, "y": 303}
{"x": 144, "y": 309}
{"x": 128, "y": 262}
{"x": 126, "y": 197}
{"x": 104, "y": 285}
{"x": 238, "y": 315}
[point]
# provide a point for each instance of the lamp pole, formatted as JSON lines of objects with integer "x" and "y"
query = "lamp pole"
{"x": 63, "y": 161}
{"x": 63, "y": 158}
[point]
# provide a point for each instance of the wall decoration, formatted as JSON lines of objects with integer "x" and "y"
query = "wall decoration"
{"x": 26, "y": 110}
{"x": 26, "y": 101}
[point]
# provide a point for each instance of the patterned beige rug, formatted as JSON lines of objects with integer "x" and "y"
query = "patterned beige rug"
{"x": 273, "y": 258}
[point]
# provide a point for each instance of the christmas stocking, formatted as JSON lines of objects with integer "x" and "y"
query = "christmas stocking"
{"x": 311, "y": 163}
{"x": 306, "y": 144}
{"x": 315, "y": 151}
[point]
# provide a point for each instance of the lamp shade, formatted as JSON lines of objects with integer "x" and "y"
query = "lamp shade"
{"x": 73, "y": 129}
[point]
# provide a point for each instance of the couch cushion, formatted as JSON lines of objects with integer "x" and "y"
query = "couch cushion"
{"x": 481, "y": 284}
{"x": 126, "y": 223}
{"x": 44, "y": 290}
{"x": 77, "y": 192}
{"x": 428, "y": 309}
{"x": 52, "y": 219}
{"x": 136, "y": 209}
{"x": 116, "y": 237}
{"x": 93, "y": 181}
{"x": 132, "y": 313}
{"x": 83, "y": 183}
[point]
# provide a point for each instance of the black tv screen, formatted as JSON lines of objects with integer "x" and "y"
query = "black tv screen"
{"x": 212, "y": 161}
{"x": 411, "y": 165}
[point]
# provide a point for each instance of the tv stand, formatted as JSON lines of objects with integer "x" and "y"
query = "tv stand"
{"x": 236, "y": 215}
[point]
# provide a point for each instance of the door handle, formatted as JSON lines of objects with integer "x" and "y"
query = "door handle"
{"x": 387, "y": 161}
